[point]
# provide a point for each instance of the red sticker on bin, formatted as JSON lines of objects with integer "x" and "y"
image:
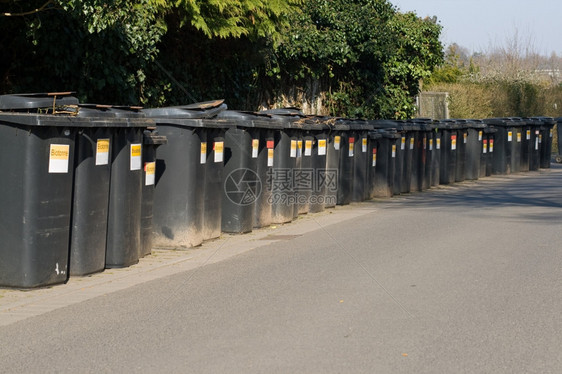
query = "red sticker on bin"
{"x": 351, "y": 140}
{"x": 270, "y": 144}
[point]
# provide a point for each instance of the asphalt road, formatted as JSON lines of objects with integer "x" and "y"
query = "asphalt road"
{"x": 464, "y": 279}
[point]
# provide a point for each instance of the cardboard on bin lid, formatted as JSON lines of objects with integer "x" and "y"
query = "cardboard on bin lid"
{"x": 290, "y": 111}
{"x": 29, "y": 101}
{"x": 247, "y": 119}
{"x": 203, "y": 110}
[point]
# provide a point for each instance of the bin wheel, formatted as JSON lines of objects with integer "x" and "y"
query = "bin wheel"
{"x": 558, "y": 159}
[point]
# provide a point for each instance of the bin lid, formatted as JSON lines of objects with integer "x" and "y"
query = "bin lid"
{"x": 206, "y": 109}
{"x": 30, "y": 101}
{"x": 360, "y": 125}
{"x": 381, "y": 124}
{"x": 475, "y": 124}
{"x": 546, "y": 120}
{"x": 127, "y": 111}
{"x": 94, "y": 110}
{"x": 425, "y": 124}
{"x": 338, "y": 124}
{"x": 153, "y": 138}
{"x": 375, "y": 135}
{"x": 389, "y": 133}
{"x": 502, "y": 122}
{"x": 489, "y": 129}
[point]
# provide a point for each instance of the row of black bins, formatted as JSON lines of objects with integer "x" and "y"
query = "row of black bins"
{"x": 220, "y": 171}
{"x": 76, "y": 190}
{"x": 277, "y": 164}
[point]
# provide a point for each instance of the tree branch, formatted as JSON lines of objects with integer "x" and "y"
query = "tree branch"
{"x": 29, "y": 12}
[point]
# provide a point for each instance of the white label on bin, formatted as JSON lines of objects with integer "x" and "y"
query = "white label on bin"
{"x": 255, "y": 147}
{"x": 551, "y": 132}
{"x": 484, "y": 146}
{"x": 536, "y": 144}
{"x": 136, "y": 156}
{"x": 491, "y": 145}
{"x": 518, "y": 137}
{"x": 431, "y": 144}
{"x": 374, "y": 157}
{"x": 453, "y": 142}
{"x": 412, "y": 143}
{"x": 394, "y": 151}
{"x": 424, "y": 143}
{"x": 438, "y": 143}
{"x": 337, "y": 141}
{"x": 479, "y": 136}
{"x": 528, "y": 134}
{"x": 321, "y": 147}
{"x": 270, "y": 152}
{"x": 509, "y": 136}
{"x": 102, "y": 152}
{"x": 364, "y": 145}
{"x": 293, "y": 148}
{"x": 299, "y": 148}
{"x": 403, "y": 144}
{"x": 351, "y": 145}
{"x": 219, "y": 151}
{"x": 150, "y": 173}
{"x": 203, "y": 159}
{"x": 308, "y": 148}
{"x": 58, "y": 158}
{"x": 464, "y": 137}
{"x": 540, "y": 138}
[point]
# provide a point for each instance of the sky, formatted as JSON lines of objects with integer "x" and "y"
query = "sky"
{"x": 480, "y": 25}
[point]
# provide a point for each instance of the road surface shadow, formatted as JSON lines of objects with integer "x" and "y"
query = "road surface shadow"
{"x": 533, "y": 189}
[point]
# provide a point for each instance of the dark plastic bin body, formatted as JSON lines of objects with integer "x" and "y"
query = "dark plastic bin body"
{"x": 408, "y": 159}
{"x": 304, "y": 174}
{"x": 91, "y": 193}
{"x": 558, "y": 157}
{"x": 179, "y": 195}
{"x": 241, "y": 184}
{"x": 36, "y": 199}
{"x": 265, "y": 145}
{"x": 435, "y": 146}
{"x": 474, "y": 149}
{"x": 448, "y": 164}
{"x": 333, "y": 162}
{"x": 346, "y": 167}
{"x": 151, "y": 141}
{"x": 491, "y": 135}
{"x": 399, "y": 162}
{"x": 386, "y": 163}
{"x": 319, "y": 164}
{"x": 360, "y": 182}
{"x": 462, "y": 140}
{"x": 389, "y": 161}
{"x": 547, "y": 125}
{"x": 526, "y": 146}
{"x": 284, "y": 163}
{"x": 374, "y": 180}
{"x": 125, "y": 197}
{"x": 212, "y": 210}
{"x": 426, "y": 156}
{"x": 536, "y": 140}
{"x": 503, "y": 145}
